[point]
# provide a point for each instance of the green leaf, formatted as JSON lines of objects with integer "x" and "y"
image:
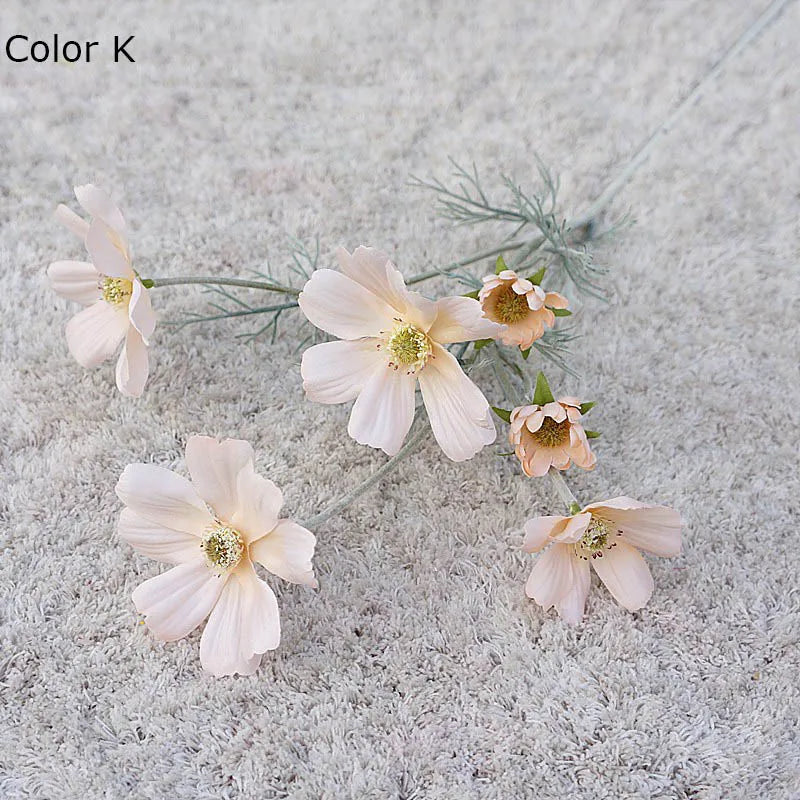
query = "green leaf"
{"x": 542, "y": 394}
{"x": 148, "y": 283}
{"x": 526, "y": 353}
{"x": 561, "y": 312}
{"x": 502, "y": 413}
{"x": 592, "y": 434}
{"x": 473, "y": 295}
{"x": 587, "y": 407}
{"x": 500, "y": 265}
{"x": 481, "y": 343}
{"x": 537, "y": 276}
{"x": 574, "y": 508}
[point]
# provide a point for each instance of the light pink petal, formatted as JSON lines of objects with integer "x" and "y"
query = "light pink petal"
{"x": 656, "y": 529}
{"x": 177, "y": 601}
{"x": 215, "y": 467}
{"x": 507, "y": 275}
{"x": 574, "y": 529}
{"x": 570, "y": 607}
{"x": 559, "y": 458}
{"x": 460, "y": 319}
{"x": 539, "y": 463}
{"x": 94, "y": 334}
{"x": 625, "y": 574}
{"x": 75, "y": 280}
{"x": 71, "y": 221}
{"x": 259, "y": 502}
{"x": 570, "y": 401}
{"x": 553, "y": 576}
{"x": 133, "y": 365}
{"x": 154, "y": 540}
{"x": 384, "y": 410}
{"x": 459, "y": 414}
{"x": 555, "y": 300}
{"x": 555, "y": 410}
{"x": 108, "y": 252}
{"x": 287, "y": 552}
{"x": 335, "y": 372}
{"x": 97, "y": 203}
{"x": 537, "y": 532}
{"x": 344, "y": 308}
{"x": 536, "y": 298}
{"x": 164, "y": 498}
{"x": 535, "y": 420}
{"x": 522, "y": 286}
{"x": 244, "y": 624}
{"x": 141, "y": 312}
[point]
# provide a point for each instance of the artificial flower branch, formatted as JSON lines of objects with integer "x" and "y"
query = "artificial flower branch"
{"x": 155, "y": 283}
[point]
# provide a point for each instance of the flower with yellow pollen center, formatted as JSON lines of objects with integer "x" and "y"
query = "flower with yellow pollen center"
{"x": 511, "y": 307}
{"x": 116, "y": 290}
{"x": 409, "y": 347}
{"x": 552, "y": 433}
{"x": 223, "y": 547}
{"x": 596, "y": 539}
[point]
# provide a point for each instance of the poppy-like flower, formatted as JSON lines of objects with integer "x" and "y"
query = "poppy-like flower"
{"x": 523, "y": 307}
{"x": 390, "y": 337}
{"x": 118, "y": 304}
{"x": 550, "y": 435}
{"x": 213, "y": 528}
{"x": 605, "y": 535}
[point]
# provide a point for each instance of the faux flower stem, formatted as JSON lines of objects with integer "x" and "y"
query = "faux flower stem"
{"x": 637, "y": 159}
{"x": 563, "y": 491}
{"x": 155, "y": 283}
{"x": 344, "y": 501}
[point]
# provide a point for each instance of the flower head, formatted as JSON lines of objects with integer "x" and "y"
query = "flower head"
{"x": 390, "y": 338}
{"x": 523, "y": 307}
{"x": 118, "y": 304}
{"x": 607, "y": 536}
{"x": 213, "y": 528}
{"x": 550, "y": 435}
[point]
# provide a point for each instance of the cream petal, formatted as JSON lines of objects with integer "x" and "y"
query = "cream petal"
{"x": 655, "y": 529}
{"x": 108, "y": 252}
{"x": 164, "y": 498}
{"x": 153, "y": 540}
{"x": 384, "y": 410}
{"x": 215, "y": 467}
{"x": 94, "y": 334}
{"x": 570, "y": 607}
{"x": 177, "y": 601}
{"x": 537, "y": 532}
{"x": 141, "y": 312}
{"x": 259, "y": 502}
{"x": 459, "y": 414}
{"x": 539, "y": 462}
{"x": 535, "y": 298}
{"x": 555, "y": 300}
{"x": 507, "y": 275}
{"x": 573, "y": 529}
{"x": 534, "y": 421}
{"x": 244, "y": 624}
{"x": 133, "y": 365}
{"x": 97, "y": 203}
{"x": 625, "y": 574}
{"x": 555, "y": 411}
{"x": 335, "y": 372}
{"x": 553, "y": 576}
{"x": 71, "y": 221}
{"x": 75, "y": 280}
{"x": 287, "y": 552}
{"x": 344, "y": 308}
{"x": 522, "y": 286}
{"x": 460, "y": 319}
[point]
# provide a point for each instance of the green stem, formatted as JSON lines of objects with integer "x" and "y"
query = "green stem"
{"x": 639, "y": 156}
{"x": 563, "y": 491}
{"x": 245, "y": 284}
{"x": 244, "y": 313}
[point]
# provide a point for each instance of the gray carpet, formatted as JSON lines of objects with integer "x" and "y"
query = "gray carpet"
{"x": 419, "y": 669}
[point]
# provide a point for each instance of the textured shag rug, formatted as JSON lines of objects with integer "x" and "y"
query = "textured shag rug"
{"x": 419, "y": 669}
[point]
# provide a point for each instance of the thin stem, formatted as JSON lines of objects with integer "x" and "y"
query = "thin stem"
{"x": 563, "y": 491}
{"x": 244, "y": 313}
{"x": 637, "y": 159}
{"x": 345, "y": 500}
{"x": 245, "y": 284}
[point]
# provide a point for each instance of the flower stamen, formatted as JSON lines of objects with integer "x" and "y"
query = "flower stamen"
{"x": 223, "y": 547}
{"x": 552, "y": 433}
{"x": 116, "y": 290}
{"x": 408, "y": 347}
{"x": 596, "y": 539}
{"x": 511, "y": 307}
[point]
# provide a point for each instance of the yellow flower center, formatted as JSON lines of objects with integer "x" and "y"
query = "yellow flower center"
{"x": 597, "y": 538}
{"x": 408, "y": 347}
{"x": 552, "y": 433}
{"x": 511, "y": 307}
{"x": 223, "y": 547}
{"x": 116, "y": 290}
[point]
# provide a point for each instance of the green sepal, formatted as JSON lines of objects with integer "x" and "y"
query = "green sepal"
{"x": 500, "y": 266}
{"x": 592, "y": 434}
{"x": 587, "y": 407}
{"x": 542, "y": 394}
{"x": 481, "y": 343}
{"x": 473, "y": 295}
{"x": 526, "y": 353}
{"x": 148, "y": 283}
{"x": 574, "y": 508}
{"x": 502, "y": 413}
{"x": 561, "y": 312}
{"x": 537, "y": 276}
